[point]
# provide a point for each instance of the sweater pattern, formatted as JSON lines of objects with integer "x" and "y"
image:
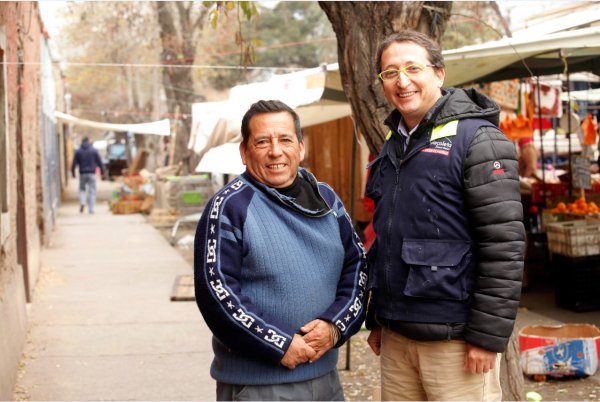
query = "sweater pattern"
{"x": 264, "y": 267}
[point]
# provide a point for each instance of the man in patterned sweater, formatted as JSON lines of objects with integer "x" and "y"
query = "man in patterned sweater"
{"x": 280, "y": 273}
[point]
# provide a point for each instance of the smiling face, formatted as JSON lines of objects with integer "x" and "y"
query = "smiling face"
{"x": 273, "y": 153}
{"x": 413, "y": 96}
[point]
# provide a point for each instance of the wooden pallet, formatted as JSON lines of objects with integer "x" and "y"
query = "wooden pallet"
{"x": 183, "y": 288}
{"x": 162, "y": 218}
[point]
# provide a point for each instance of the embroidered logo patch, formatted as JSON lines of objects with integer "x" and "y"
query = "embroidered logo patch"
{"x": 497, "y": 168}
{"x": 440, "y": 147}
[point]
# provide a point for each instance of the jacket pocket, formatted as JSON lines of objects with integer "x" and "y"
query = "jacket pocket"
{"x": 438, "y": 269}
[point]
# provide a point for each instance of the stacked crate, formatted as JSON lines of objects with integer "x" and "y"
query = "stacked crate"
{"x": 575, "y": 248}
{"x": 574, "y": 238}
{"x": 188, "y": 194}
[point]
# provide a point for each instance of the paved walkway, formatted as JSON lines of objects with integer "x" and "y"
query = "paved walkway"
{"x": 102, "y": 326}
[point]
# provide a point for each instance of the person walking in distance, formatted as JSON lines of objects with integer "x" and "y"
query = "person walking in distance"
{"x": 447, "y": 263}
{"x": 88, "y": 159}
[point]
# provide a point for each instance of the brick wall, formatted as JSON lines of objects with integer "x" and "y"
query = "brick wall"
{"x": 20, "y": 24}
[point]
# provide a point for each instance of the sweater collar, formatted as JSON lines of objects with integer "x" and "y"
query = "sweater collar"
{"x": 286, "y": 200}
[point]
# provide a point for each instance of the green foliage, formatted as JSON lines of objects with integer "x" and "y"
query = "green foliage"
{"x": 471, "y": 23}
{"x": 292, "y": 34}
{"x": 248, "y": 8}
{"x": 99, "y": 40}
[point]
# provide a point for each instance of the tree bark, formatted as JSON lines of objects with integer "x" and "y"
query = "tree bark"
{"x": 511, "y": 373}
{"x": 178, "y": 52}
{"x": 359, "y": 28}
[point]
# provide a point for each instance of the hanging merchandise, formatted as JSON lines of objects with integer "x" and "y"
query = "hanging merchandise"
{"x": 549, "y": 98}
{"x": 575, "y": 124}
{"x": 590, "y": 130}
{"x": 521, "y": 127}
{"x": 516, "y": 128}
{"x": 505, "y": 126}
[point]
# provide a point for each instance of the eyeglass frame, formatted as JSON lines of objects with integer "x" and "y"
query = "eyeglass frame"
{"x": 403, "y": 70}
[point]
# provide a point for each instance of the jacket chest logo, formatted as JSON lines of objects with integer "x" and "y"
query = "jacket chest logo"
{"x": 439, "y": 147}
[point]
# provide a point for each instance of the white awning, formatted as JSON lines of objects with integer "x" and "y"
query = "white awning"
{"x": 543, "y": 55}
{"x": 588, "y": 95}
{"x": 315, "y": 94}
{"x": 224, "y": 158}
{"x": 161, "y": 127}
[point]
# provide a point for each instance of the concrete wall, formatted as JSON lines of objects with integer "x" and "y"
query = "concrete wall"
{"x": 20, "y": 25}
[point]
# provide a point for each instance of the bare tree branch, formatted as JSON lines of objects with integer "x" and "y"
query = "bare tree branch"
{"x": 503, "y": 21}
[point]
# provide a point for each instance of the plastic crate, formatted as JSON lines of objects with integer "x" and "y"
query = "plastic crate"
{"x": 192, "y": 197}
{"x": 574, "y": 238}
{"x": 186, "y": 194}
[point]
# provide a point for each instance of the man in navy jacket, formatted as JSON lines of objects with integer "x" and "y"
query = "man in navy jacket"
{"x": 447, "y": 262}
{"x": 88, "y": 159}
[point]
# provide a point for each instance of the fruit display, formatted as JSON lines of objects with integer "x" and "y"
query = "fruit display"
{"x": 579, "y": 206}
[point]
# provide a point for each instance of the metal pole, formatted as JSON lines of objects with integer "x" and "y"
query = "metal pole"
{"x": 539, "y": 110}
{"x": 569, "y": 128}
{"x": 352, "y": 195}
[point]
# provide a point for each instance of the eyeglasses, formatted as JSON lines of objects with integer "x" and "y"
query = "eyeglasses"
{"x": 411, "y": 70}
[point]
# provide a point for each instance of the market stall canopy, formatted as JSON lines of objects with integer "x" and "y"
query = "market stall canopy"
{"x": 565, "y": 17}
{"x": 224, "y": 159}
{"x": 161, "y": 127}
{"x": 589, "y": 95}
{"x": 316, "y": 94}
{"x": 205, "y": 116}
{"x": 506, "y": 58}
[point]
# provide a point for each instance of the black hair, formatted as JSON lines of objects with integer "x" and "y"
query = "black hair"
{"x": 418, "y": 38}
{"x": 268, "y": 106}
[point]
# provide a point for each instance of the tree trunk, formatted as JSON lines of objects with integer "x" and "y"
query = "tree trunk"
{"x": 179, "y": 52}
{"x": 359, "y": 28}
{"x": 511, "y": 373}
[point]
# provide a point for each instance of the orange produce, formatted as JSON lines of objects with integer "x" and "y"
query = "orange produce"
{"x": 579, "y": 206}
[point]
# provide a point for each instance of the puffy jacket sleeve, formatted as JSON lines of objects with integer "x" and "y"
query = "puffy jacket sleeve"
{"x": 493, "y": 201}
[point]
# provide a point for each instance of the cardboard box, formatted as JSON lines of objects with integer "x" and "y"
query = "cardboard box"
{"x": 560, "y": 350}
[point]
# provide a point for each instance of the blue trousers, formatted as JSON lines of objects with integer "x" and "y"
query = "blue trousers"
{"x": 324, "y": 388}
{"x": 87, "y": 180}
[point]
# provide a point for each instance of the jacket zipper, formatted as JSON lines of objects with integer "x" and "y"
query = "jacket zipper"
{"x": 388, "y": 262}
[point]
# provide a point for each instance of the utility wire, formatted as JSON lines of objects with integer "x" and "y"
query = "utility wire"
{"x": 159, "y": 65}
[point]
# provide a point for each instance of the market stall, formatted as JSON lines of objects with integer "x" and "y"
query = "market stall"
{"x": 553, "y": 122}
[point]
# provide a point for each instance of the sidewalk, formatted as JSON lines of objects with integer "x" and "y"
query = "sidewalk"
{"x": 101, "y": 325}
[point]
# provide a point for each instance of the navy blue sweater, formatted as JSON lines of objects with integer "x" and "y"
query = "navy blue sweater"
{"x": 265, "y": 266}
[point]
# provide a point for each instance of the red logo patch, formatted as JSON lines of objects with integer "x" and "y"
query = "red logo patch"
{"x": 435, "y": 151}
{"x": 498, "y": 169}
